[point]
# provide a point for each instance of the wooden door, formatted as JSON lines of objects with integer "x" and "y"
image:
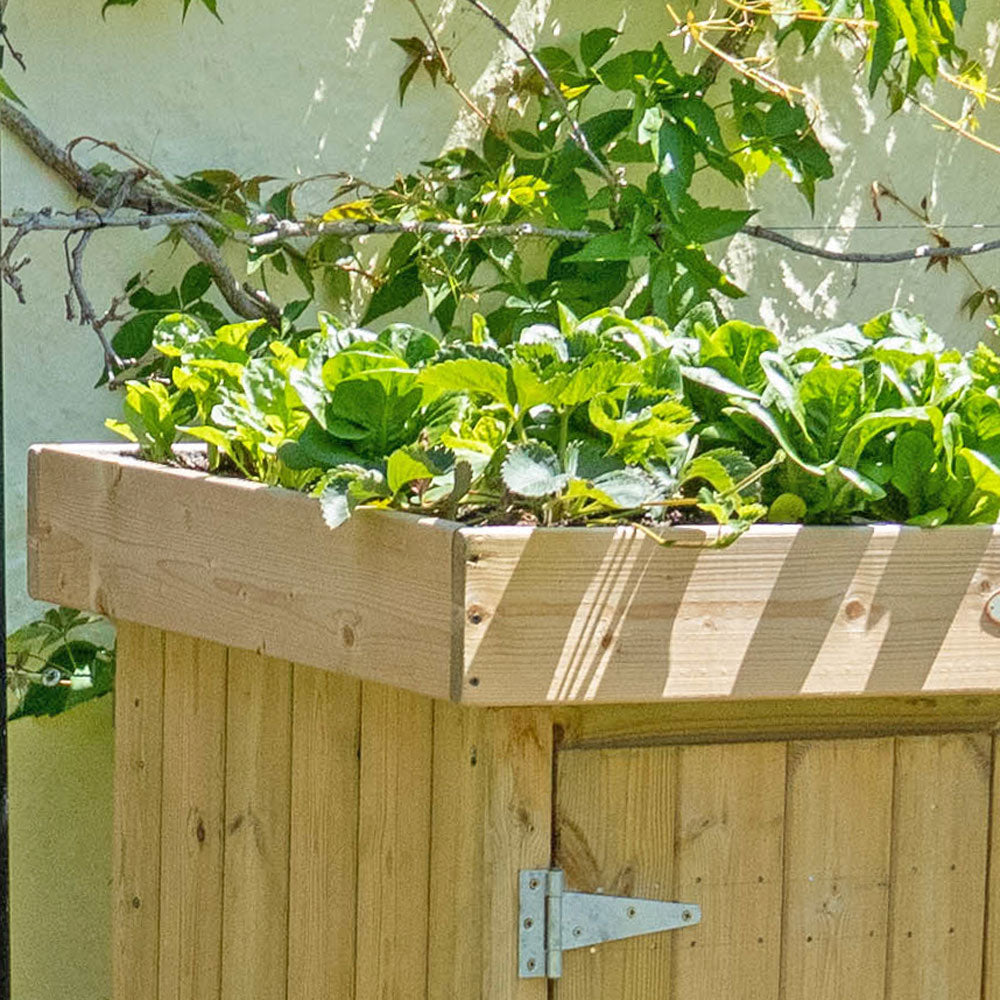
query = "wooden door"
{"x": 825, "y": 869}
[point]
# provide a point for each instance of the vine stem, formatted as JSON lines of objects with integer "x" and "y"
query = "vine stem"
{"x": 281, "y": 229}
{"x": 447, "y": 74}
{"x": 574, "y": 126}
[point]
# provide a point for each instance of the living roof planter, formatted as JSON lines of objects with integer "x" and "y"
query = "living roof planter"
{"x": 795, "y": 734}
{"x": 516, "y": 615}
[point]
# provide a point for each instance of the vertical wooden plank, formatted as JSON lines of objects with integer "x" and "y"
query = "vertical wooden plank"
{"x": 940, "y": 834}
{"x": 730, "y": 821}
{"x": 193, "y": 807}
{"x": 393, "y": 844}
{"x": 615, "y": 819}
{"x": 991, "y": 951}
{"x": 458, "y": 821}
{"x": 138, "y": 787}
{"x": 517, "y": 745}
{"x": 837, "y": 841}
{"x": 258, "y": 762}
{"x": 492, "y": 817}
{"x": 324, "y": 835}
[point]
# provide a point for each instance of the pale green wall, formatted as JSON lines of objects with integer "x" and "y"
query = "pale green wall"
{"x": 303, "y": 87}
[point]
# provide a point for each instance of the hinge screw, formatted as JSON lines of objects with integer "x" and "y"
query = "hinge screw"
{"x": 630, "y": 912}
{"x": 528, "y": 923}
{"x": 686, "y": 915}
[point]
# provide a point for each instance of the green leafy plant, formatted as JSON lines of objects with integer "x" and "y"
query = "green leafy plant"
{"x": 573, "y": 424}
{"x": 57, "y": 662}
{"x": 595, "y": 420}
{"x": 877, "y": 421}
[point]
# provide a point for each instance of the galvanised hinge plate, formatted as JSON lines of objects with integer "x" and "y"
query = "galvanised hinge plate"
{"x": 552, "y": 920}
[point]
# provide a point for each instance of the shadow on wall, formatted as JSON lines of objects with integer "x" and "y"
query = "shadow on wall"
{"x": 793, "y": 294}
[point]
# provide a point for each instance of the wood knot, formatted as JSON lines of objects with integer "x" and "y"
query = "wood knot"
{"x": 854, "y": 610}
{"x": 199, "y": 831}
{"x": 475, "y": 614}
{"x": 347, "y": 634}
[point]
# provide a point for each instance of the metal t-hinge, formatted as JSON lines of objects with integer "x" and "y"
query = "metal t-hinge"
{"x": 552, "y": 920}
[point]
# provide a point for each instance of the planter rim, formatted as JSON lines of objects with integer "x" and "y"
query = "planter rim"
{"x": 517, "y": 614}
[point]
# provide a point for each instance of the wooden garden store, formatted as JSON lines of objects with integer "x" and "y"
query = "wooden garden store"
{"x": 407, "y": 758}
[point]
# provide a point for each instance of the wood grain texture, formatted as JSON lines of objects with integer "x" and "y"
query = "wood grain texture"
{"x": 491, "y": 818}
{"x": 258, "y": 763}
{"x": 939, "y": 851}
{"x": 244, "y": 565}
{"x": 324, "y": 835}
{"x": 720, "y": 721}
{"x": 991, "y": 952}
{"x": 728, "y": 858}
{"x": 517, "y": 822}
{"x": 393, "y": 844}
{"x": 458, "y": 863}
{"x": 838, "y": 818}
{"x": 138, "y": 786}
{"x": 192, "y": 819}
{"x": 606, "y": 615}
{"x": 515, "y": 616}
{"x": 616, "y": 816}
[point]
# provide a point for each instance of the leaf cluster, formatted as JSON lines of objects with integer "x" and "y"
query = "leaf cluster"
{"x": 578, "y": 423}
{"x": 56, "y": 663}
{"x": 877, "y": 421}
{"x": 592, "y": 420}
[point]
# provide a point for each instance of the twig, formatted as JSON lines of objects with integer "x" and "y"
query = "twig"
{"x": 85, "y": 219}
{"x": 249, "y": 304}
{"x": 850, "y": 257}
{"x": 18, "y": 57}
{"x": 282, "y": 229}
{"x": 550, "y": 85}
{"x": 956, "y": 127}
{"x": 74, "y": 266}
{"x": 285, "y": 229}
{"x": 446, "y": 71}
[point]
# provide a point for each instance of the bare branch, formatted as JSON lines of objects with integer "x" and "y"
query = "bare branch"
{"x": 857, "y": 257}
{"x": 282, "y": 229}
{"x": 250, "y": 304}
{"x": 74, "y": 266}
{"x": 285, "y": 229}
{"x": 18, "y": 57}
{"x": 553, "y": 89}
{"x": 84, "y": 219}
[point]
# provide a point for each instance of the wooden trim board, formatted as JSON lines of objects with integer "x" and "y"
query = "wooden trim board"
{"x": 516, "y": 616}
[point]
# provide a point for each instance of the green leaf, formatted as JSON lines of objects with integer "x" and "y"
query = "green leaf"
{"x": 788, "y": 508}
{"x": 913, "y": 457}
{"x": 7, "y": 91}
{"x": 533, "y": 470}
{"x": 628, "y": 488}
{"x": 410, "y": 463}
{"x": 196, "y": 282}
{"x": 470, "y": 375}
{"x": 673, "y": 149}
{"x": 883, "y": 46}
{"x": 333, "y": 502}
{"x": 611, "y": 246}
{"x": 594, "y": 45}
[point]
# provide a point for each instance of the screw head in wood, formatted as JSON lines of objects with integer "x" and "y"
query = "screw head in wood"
{"x": 993, "y": 607}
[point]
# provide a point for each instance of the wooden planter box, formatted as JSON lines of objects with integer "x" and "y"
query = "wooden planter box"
{"x": 795, "y": 734}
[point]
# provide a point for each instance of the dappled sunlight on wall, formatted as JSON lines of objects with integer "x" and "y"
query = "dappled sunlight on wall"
{"x": 915, "y": 157}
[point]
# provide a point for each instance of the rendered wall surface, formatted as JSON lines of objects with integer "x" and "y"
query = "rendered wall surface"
{"x": 301, "y": 88}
